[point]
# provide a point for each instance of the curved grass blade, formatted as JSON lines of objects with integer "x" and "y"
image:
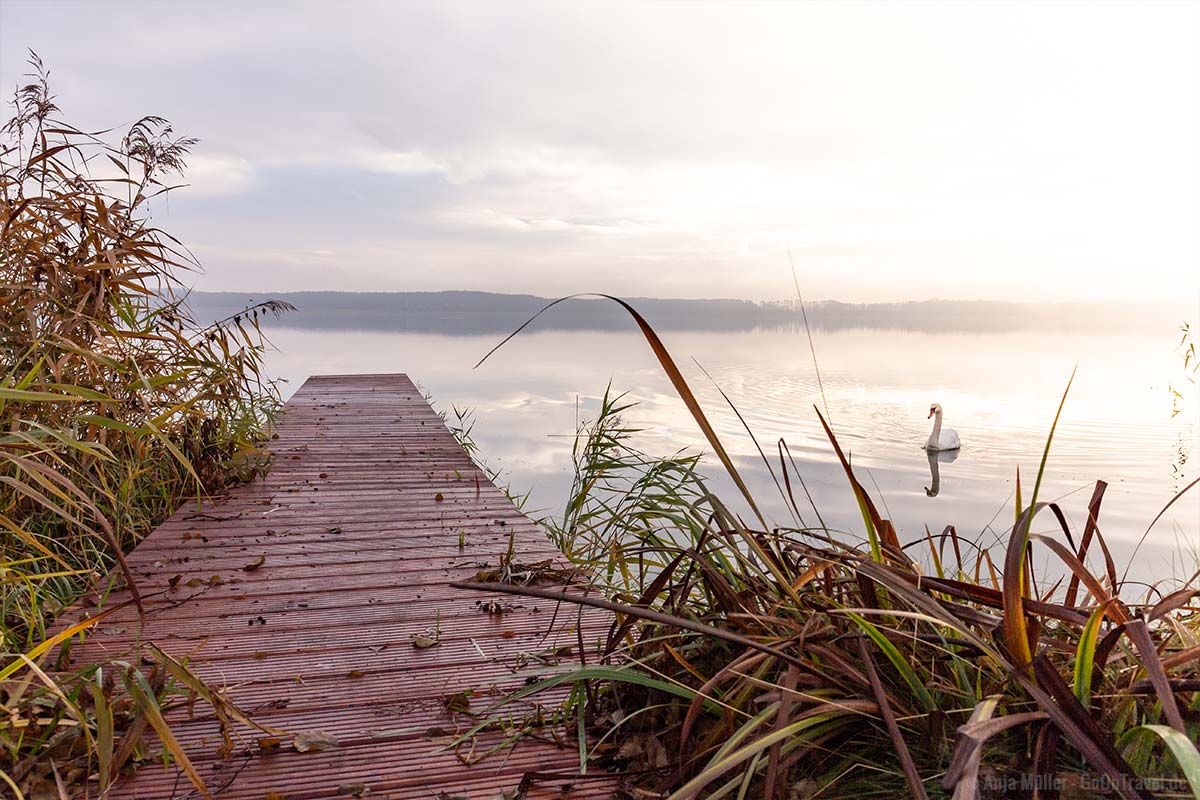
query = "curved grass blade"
{"x": 1153, "y": 522}
{"x": 754, "y": 439}
{"x": 1139, "y": 634}
{"x": 1017, "y": 634}
{"x": 1085, "y": 654}
{"x": 143, "y": 697}
{"x": 870, "y": 516}
{"x": 820, "y": 716}
{"x": 911, "y": 776}
{"x": 1090, "y": 529}
{"x": 598, "y": 673}
{"x": 808, "y": 332}
{"x": 1187, "y": 755}
{"x": 57, "y": 639}
{"x": 1089, "y": 738}
{"x": 677, "y": 380}
{"x": 898, "y": 661}
{"x": 633, "y": 611}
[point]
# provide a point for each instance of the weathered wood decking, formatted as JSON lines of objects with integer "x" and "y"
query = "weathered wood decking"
{"x": 356, "y": 534}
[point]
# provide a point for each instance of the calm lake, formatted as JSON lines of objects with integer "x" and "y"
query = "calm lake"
{"x": 999, "y": 390}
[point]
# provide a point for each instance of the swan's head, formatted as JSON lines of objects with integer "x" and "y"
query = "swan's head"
{"x": 936, "y": 408}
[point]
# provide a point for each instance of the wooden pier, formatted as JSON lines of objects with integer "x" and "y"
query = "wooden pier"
{"x": 306, "y": 595}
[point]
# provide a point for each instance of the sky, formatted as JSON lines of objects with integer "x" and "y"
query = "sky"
{"x": 901, "y": 151}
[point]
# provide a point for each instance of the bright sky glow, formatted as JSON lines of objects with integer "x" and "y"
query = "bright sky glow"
{"x": 903, "y": 150}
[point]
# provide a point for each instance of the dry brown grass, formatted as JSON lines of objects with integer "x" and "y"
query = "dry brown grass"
{"x": 115, "y": 407}
{"x": 783, "y": 662}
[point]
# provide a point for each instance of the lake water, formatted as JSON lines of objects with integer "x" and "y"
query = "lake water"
{"x": 999, "y": 391}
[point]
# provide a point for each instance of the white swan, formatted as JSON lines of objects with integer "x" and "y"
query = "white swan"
{"x": 939, "y": 438}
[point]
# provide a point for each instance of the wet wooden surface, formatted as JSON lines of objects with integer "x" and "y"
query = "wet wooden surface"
{"x": 301, "y": 594}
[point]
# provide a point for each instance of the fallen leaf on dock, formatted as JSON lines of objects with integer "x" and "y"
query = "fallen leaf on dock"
{"x": 459, "y": 701}
{"x": 495, "y": 607}
{"x": 266, "y": 744}
{"x": 421, "y": 641}
{"x": 313, "y": 740}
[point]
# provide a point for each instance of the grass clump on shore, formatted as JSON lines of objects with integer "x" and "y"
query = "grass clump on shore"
{"x": 115, "y": 407}
{"x": 751, "y": 661}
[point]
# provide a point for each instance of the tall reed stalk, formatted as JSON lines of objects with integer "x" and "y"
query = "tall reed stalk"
{"x": 115, "y": 407}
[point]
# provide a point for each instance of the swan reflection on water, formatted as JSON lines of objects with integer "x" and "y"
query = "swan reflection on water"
{"x": 936, "y": 457}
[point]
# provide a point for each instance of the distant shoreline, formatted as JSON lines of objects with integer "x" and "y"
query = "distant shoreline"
{"x": 473, "y": 313}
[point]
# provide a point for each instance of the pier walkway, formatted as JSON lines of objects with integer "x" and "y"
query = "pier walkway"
{"x": 318, "y": 599}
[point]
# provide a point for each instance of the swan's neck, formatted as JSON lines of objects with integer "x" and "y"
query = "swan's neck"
{"x": 937, "y": 428}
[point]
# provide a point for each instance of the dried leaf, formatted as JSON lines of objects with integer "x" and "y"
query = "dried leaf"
{"x": 314, "y": 741}
{"x": 457, "y": 702}
{"x": 266, "y": 744}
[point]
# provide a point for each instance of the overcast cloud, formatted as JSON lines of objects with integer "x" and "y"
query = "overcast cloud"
{"x": 903, "y": 151}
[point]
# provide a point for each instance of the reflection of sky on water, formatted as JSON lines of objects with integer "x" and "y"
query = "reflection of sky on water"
{"x": 999, "y": 391}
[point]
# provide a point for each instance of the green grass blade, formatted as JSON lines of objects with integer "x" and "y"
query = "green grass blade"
{"x": 1085, "y": 654}
{"x": 1186, "y": 753}
{"x": 898, "y": 661}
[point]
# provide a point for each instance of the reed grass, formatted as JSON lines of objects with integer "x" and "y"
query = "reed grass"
{"x": 116, "y": 406}
{"x": 747, "y": 660}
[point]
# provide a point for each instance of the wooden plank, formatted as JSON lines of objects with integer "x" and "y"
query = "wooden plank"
{"x": 299, "y": 594}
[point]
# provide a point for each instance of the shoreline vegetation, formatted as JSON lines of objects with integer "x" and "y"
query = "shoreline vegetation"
{"x": 116, "y": 407}
{"x": 747, "y": 660}
{"x": 750, "y": 660}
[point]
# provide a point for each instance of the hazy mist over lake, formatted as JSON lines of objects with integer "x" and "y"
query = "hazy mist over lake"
{"x": 999, "y": 370}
